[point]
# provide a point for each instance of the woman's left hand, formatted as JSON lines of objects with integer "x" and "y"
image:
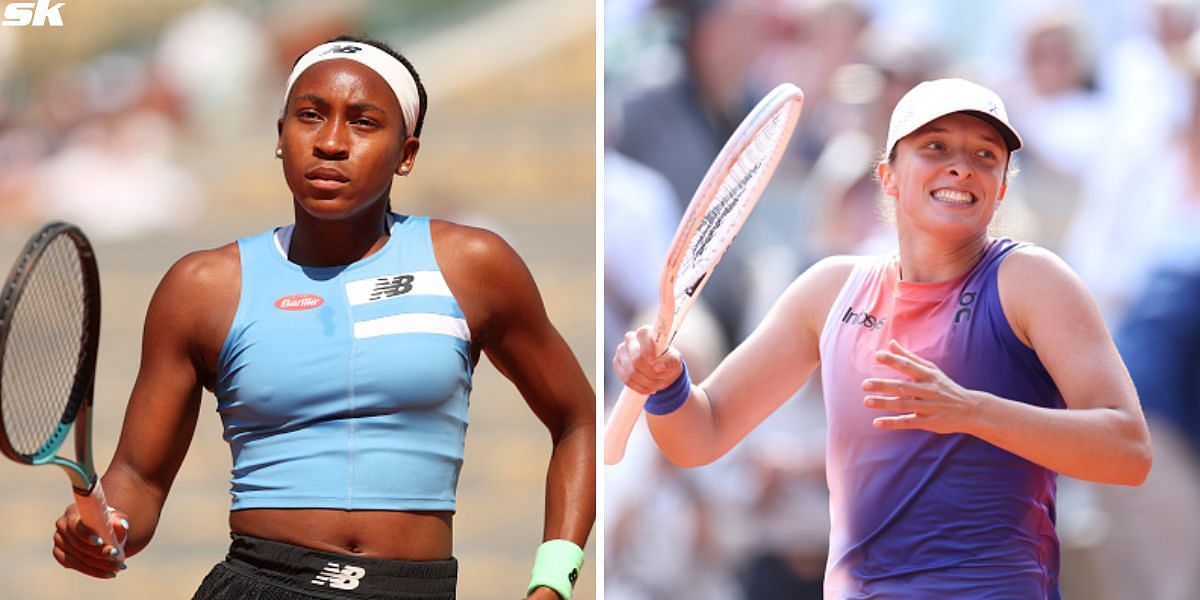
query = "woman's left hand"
{"x": 543, "y": 593}
{"x": 930, "y": 401}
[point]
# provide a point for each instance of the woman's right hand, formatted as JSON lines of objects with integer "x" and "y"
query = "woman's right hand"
{"x": 78, "y": 547}
{"x": 640, "y": 367}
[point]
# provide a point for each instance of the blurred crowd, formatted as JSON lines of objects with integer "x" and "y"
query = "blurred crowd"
{"x": 130, "y": 127}
{"x": 1106, "y": 95}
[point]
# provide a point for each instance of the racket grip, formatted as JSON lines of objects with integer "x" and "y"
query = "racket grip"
{"x": 620, "y": 424}
{"x": 93, "y": 511}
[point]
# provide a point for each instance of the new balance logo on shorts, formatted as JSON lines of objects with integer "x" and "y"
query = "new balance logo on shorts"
{"x": 343, "y": 578}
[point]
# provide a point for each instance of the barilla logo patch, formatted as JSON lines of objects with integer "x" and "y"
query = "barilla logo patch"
{"x": 299, "y": 302}
{"x": 39, "y": 14}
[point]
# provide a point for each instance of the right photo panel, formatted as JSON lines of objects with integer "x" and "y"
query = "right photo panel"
{"x": 900, "y": 299}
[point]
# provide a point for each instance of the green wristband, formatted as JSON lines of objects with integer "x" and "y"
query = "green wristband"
{"x": 556, "y": 566}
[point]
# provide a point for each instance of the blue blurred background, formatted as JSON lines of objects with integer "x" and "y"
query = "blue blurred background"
{"x": 151, "y": 123}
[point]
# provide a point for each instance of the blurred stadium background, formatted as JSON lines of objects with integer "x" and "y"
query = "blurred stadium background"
{"x": 1104, "y": 93}
{"x": 151, "y": 123}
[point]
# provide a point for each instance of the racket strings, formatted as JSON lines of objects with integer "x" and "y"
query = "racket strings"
{"x": 45, "y": 345}
{"x": 720, "y": 222}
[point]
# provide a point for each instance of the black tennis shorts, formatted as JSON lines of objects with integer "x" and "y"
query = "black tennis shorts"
{"x": 267, "y": 570}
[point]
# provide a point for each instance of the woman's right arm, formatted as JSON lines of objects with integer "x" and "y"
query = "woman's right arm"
{"x": 192, "y": 299}
{"x": 753, "y": 381}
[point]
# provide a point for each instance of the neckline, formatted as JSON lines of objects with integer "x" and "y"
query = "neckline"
{"x": 925, "y": 290}
{"x": 931, "y": 290}
{"x": 281, "y": 238}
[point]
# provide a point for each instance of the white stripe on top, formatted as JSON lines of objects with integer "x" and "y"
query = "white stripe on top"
{"x": 413, "y": 323}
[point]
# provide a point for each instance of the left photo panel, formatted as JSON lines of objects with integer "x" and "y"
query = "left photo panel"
{"x": 300, "y": 299}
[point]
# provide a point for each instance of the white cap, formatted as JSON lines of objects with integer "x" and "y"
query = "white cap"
{"x": 931, "y": 100}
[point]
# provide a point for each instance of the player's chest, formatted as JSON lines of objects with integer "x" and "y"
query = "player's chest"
{"x": 386, "y": 339}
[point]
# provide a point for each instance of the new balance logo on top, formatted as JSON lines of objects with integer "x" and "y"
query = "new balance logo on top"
{"x": 863, "y": 318}
{"x": 21, "y": 14}
{"x": 381, "y": 288}
{"x": 344, "y": 578}
{"x": 390, "y": 287}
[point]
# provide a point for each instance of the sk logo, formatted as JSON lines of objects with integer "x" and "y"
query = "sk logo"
{"x": 21, "y": 14}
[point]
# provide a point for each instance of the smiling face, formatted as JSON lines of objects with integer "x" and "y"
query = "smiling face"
{"x": 342, "y": 136}
{"x": 948, "y": 177}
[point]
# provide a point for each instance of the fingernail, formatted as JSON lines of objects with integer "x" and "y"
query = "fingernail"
{"x": 112, "y": 551}
{"x": 110, "y": 575}
{"x": 95, "y": 540}
{"x": 125, "y": 524}
{"x": 122, "y": 566}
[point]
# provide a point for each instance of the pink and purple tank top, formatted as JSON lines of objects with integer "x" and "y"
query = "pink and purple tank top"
{"x": 917, "y": 514}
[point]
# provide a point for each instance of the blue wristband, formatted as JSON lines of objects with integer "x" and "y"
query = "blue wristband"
{"x": 670, "y": 398}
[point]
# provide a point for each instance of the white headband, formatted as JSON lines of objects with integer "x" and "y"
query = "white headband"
{"x": 391, "y": 70}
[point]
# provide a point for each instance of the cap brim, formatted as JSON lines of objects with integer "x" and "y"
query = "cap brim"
{"x": 1011, "y": 139}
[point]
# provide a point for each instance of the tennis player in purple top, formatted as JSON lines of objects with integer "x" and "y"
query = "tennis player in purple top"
{"x": 960, "y": 375}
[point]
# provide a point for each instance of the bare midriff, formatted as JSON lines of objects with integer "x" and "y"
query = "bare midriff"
{"x": 385, "y": 534}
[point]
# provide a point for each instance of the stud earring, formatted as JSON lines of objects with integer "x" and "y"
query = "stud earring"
{"x": 404, "y": 171}
{"x": 279, "y": 153}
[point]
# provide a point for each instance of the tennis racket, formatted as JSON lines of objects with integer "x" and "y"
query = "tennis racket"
{"x": 717, "y": 211}
{"x": 49, "y": 334}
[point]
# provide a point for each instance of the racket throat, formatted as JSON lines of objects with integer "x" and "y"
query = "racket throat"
{"x": 81, "y": 480}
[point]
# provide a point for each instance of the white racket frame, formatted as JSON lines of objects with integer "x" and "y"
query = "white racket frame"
{"x": 785, "y": 97}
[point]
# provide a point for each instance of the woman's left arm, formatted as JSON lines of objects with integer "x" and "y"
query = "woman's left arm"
{"x": 1102, "y": 435}
{"x": 517, "y": 336}
{"x": 527, "y": 349}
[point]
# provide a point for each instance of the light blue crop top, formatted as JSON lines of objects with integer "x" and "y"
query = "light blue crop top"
{"x": 345, "y": 387}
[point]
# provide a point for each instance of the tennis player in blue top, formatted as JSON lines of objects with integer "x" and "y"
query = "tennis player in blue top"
{"x": 340, "y": 349}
